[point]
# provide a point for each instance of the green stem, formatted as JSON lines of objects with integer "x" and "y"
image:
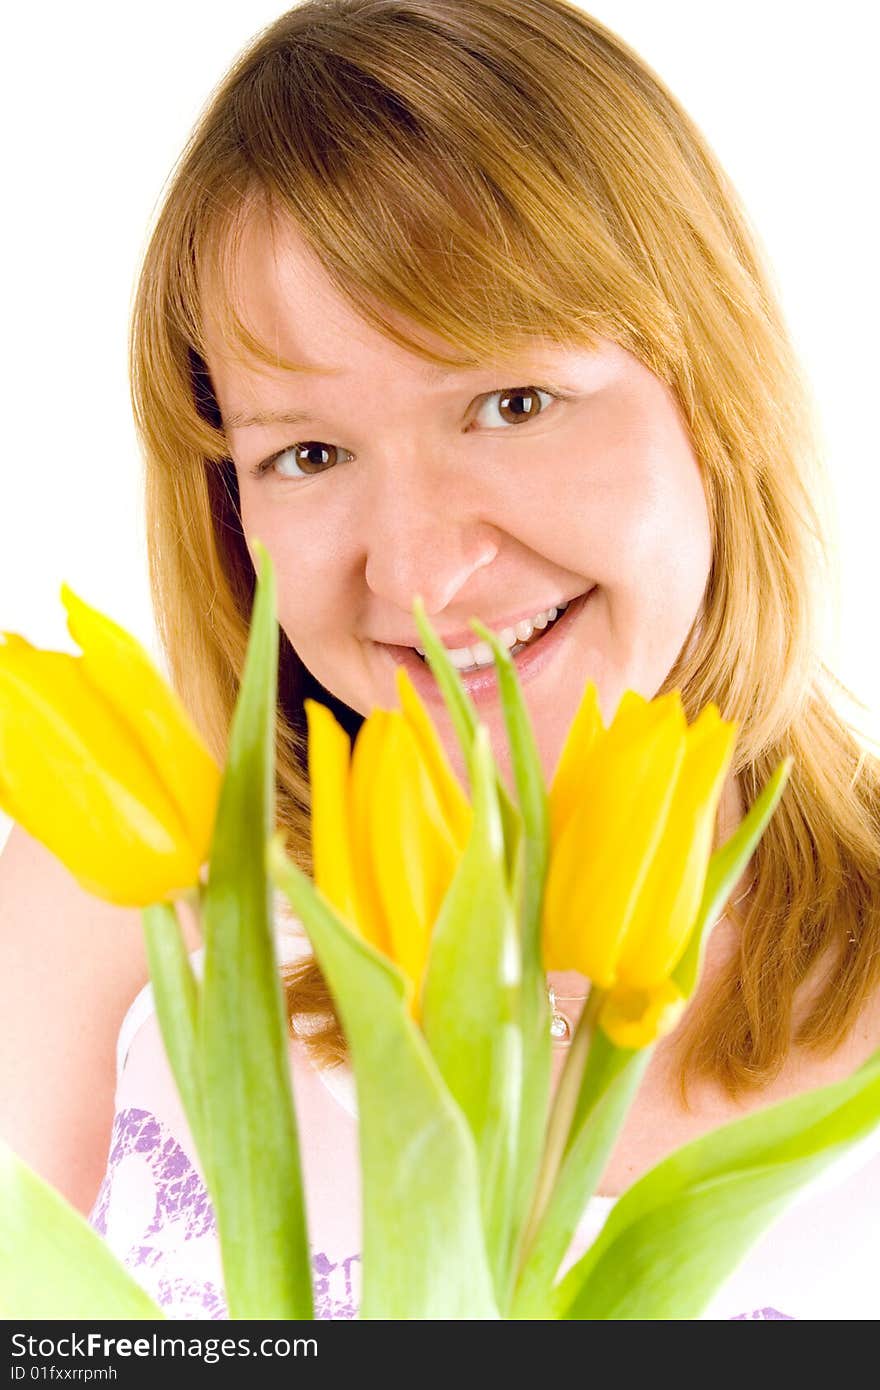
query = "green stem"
{"x": 561, "y": 1115}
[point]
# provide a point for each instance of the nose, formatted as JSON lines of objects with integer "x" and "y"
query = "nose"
{"x": 424, "y": 535}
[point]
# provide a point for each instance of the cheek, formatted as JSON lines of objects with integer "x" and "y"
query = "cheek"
{"x": 640, "y": 527}
{"x": 663, "y": 532}
{"x": 634, "y": 527}
{"x": 623, "y": 499}
{"x": 656, "y": 554}
{"x": 307, "y": 578}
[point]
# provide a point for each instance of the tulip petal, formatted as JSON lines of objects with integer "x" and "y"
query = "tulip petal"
{"x": 637, "y": 1018}
{"x": 566, "y": 787}
{"x": 329, "y": 759}
{"x": 673, "y": 889}
{"x": 363, "y": 807}
{"x": 413, "y": 851}
{"x": 635, "y": 714}
{"x": 123, "y": 674}
{"x": 8, "y": 805}
{"x": 453, "y": 802}
{"x": 77, "y": 782}
{"x": 599, "y": 865}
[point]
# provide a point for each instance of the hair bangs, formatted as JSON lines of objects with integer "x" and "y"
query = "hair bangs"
{"x": 472, "y": 240}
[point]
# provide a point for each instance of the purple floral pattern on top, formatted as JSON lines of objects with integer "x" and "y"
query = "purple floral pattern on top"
{"x": 334, "y": 1287}
{"x": 154, "y": 1210}
{"x": 764, "y": 1315}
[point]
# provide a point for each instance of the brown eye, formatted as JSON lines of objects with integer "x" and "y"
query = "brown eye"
{"x": 305, "y": 459}
{"x": 519, "y": 404}
{"x": 515, "y": 405}
{"x": 313, "y": 456}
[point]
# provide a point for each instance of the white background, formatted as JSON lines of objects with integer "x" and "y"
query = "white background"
{"x": 97, "y": 101}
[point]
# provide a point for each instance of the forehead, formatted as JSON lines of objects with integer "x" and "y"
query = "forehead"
{"x": 291, "y": 305}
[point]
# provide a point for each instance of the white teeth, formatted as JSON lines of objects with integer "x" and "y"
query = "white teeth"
{"x": 480, "y": 654}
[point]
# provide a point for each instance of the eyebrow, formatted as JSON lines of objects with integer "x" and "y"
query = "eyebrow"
{"x": 241, "y": 419}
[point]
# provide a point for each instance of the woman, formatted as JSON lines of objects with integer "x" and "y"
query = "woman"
{"x": 452, "y": 299}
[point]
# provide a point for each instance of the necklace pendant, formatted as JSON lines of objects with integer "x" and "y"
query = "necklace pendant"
{"x": 560, "y": 1028}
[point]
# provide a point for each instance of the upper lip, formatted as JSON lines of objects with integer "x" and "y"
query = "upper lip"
{"x": 466, "y": 637}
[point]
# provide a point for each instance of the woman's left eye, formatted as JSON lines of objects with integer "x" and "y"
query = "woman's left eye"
{"x": 519, "y": 403}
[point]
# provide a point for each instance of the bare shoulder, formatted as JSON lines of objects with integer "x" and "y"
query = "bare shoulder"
{"x": 70, "y": 965}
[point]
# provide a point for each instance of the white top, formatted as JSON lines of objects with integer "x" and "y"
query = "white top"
{"x": 819, "y": 1260}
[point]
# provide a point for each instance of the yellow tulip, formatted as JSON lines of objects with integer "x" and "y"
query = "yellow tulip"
{"x": 389, "y": 825}
{"x": 632, "y": 812}
{"x": 100, "y": 761}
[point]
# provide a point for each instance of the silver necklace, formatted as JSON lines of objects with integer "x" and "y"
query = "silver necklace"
{"x": 560, "y": 1025}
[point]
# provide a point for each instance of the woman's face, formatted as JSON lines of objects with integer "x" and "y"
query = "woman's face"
{"x": 477, "y": 490}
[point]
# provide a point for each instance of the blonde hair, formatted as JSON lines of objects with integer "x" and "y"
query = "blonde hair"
{"x": 496, "y": 170}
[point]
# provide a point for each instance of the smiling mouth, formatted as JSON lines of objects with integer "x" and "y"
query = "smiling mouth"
{"x": 478, "y": 657}
{"x": 534, "y": 637}
{"x": 476, "y": 666}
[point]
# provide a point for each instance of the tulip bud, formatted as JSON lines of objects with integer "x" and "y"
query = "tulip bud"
{"x": 632, "y": 809}
{"x": 100, "y": 762}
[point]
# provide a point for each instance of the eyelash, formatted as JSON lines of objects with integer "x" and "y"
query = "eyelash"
{"x": 260, "y": 469}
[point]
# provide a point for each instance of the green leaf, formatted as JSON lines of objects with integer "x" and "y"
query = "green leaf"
{"x": 53, "y": 1264}
{"x": 530, "y": 786}
{"x": 677, "y": 1234}
{"x": 424, "y": 1253}
{"x": 535, "y": 1012}
{"x": 725, "y": 869}
{"x": 608, "y": 1084}
{"x": 253, "y": 1162}
{"x": 458, "y": 702}
{"x": 176, "y": 994}
{"x": 464, "y": 720}
{"x": 470, "y": 1003}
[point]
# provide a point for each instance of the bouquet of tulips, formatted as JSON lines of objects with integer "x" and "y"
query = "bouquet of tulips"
{"x": 434, "y": 916}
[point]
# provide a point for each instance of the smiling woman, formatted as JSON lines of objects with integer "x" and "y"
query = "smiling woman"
{"x": 505, "y": 341}
{"x": 403, "y": 273}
